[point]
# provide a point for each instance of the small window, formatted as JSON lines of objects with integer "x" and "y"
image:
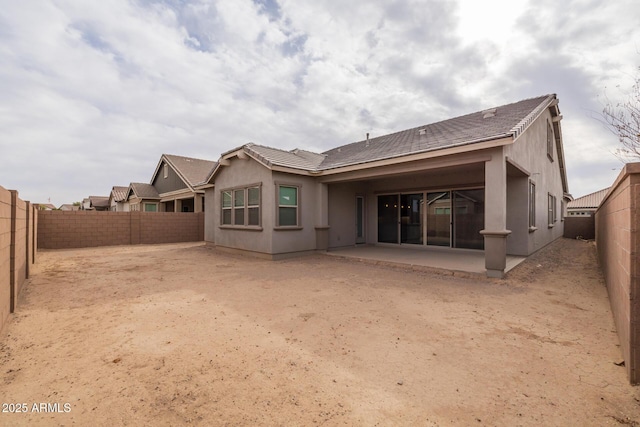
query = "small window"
{"x": 150, "y": 207}
{"x": 549, "y": 141}
{"x": 165, "y": 170}
{"x": 532, "y": 205}
{"x": 552, "y": 217}
{"x": 287, "y": 206}
{"x": 226, "y": 207}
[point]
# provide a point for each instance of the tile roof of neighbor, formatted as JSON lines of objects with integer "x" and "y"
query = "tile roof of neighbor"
{"x": 144, "y": 191}
{"x": 119, "y": 193}
{"x": 69, "y": 207}
{"x": 193, "y": 170}
{"x": 506, "y": 120}
{"x": 592, "y": 200}
{"x": 99, "y": 201}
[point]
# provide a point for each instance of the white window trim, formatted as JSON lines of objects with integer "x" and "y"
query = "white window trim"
{"x": 532, "y": 206}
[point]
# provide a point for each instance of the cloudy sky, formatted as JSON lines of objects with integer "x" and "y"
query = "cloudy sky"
{"x": 93, "y": 92}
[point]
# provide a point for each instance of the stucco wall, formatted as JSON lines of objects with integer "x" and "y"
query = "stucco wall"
{"x": 239, "y": 174}
{"x": 529, "y": 152}
{"x": 583, "y": 227}
{"x": 80, "y": 229}
{"x": 618, "y": 245}
{"x": 17, "y": 251}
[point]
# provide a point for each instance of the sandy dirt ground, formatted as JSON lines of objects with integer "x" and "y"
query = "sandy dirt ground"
{"x": 183, "y": 334}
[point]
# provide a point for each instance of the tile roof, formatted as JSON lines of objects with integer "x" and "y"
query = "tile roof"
{"x": 69, "y": 207}
{"x": 144, "y": 191}
{"x": 296, "y": 159}
{"x": 494, "y": 123}
{"x": 119, "y": 193}
{"x": 193, "y": 170}
{"x": 589, "y": 201}
{"x": 505, "y": 121}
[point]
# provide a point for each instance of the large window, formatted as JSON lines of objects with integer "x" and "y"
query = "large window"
{"x": 532, "y": 206}
{"x": 241, "y": 206}
{"x": 288, "y": 209}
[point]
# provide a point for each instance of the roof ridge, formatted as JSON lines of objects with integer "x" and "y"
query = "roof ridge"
{"x": 525, "y": 122}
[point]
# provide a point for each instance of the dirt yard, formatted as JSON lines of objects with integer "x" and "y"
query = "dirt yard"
{"x": 183, "y": 334}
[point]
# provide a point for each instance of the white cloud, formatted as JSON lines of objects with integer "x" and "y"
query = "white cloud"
{"x": 93, "y": 93}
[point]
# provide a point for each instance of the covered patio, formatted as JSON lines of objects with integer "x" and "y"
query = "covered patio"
{"x": 464, "y": 260}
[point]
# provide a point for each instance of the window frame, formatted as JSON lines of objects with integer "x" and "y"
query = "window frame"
{"x": 549, "y": 141}
{"x": 532, "y": 205}
{"x": 235, "y": 208}
{"x": 298, "y": 188}
{"x": 552, "y": 215}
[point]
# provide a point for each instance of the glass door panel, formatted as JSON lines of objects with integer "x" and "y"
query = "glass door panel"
{"x": 411, "y": 218}
{"x": 439, "y": 218}
{"x": 388, "y": 219}
{"x": 468, "y": 216}
{"x": 360, "y": 219}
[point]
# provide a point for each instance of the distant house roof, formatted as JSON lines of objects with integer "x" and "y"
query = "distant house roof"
{"x": 590, "y": 201}
{"x": 508, "y": 120}
{"x": 191, "y": 170}
{"x": 69, "y": 207}
{"x": 143, "y": 191}
{"x": 118, "y": 193}
{"x": 46, "y": 206}
{"x": 99, "y": 201}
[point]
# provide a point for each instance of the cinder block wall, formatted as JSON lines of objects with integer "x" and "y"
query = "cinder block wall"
{"x": 17, "y": 248}
{"x": 577, "y": 226}
{"x": 81, "y": 229}
{"x": 618, "y": 245}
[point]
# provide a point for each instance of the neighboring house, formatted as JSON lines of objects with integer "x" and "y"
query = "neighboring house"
{"x": 494, "y": 180}
{"x": 175, "y": 178}
{"x": 86, "y": 204}
{"x": 69, "y": 207}
{"x": 586, "y": 205}
{"x": 143, "y": 197}
{"x": 95, "y": 203}
{"x": 45, "y": 207}
{"x": 99, "y": 203}
{"x": 118, "y": 199}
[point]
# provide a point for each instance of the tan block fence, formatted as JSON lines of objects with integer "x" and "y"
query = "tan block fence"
{"x": 18, "y": 237}
{"x": 618, "y": 243}
{"x": 82, "y": 229}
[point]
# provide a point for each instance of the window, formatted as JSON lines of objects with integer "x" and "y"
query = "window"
{"x": 549, "y": 141}
{"x": 165, "y": 170}
{"x": 287, "y": 206}
{"x": 241, "y": 206}
{"x": 150, "y": 207}
{"x": 562, "y": 210}
{"x": 552, "y": 218}
{"x": 532, "y": 205}
{"x": 238, "y": 207}
{"x": 253, "y": 206}
{"x": 226, "y": 208}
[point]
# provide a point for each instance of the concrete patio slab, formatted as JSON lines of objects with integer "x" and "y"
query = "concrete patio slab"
{"x": 469, "y": 261}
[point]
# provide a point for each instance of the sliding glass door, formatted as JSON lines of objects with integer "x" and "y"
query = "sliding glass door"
{"x": 411, "y": 218}
{"x": 439, "y": 218}
{"x": 388, "y": 219}
{"x": 468, "y": 218}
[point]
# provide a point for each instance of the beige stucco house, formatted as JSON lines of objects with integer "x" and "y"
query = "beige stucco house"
{"x": 491, "y": 181}
{"x": 118, "y": 199}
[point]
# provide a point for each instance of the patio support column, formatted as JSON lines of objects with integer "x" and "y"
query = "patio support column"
{"x": 322, "y": 217}
{"x": 495, "y": 219}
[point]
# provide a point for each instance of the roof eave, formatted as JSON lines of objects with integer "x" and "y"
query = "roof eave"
{"x": 463, "y": 147}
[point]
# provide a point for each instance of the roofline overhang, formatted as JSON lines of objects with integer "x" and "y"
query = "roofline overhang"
{"x": 462, "y": 148}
